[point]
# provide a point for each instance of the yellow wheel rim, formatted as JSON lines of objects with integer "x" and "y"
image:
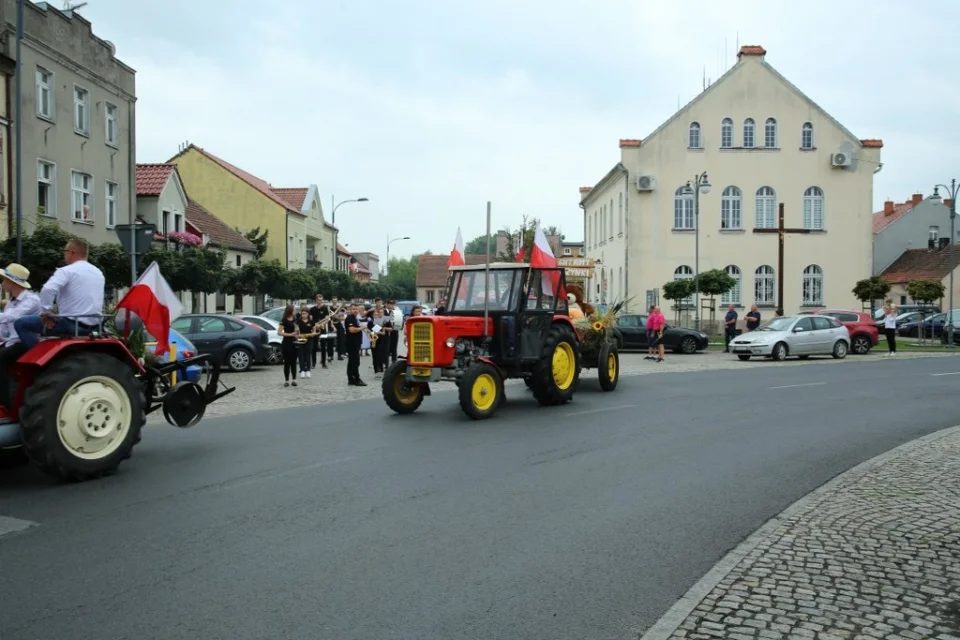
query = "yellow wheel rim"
{"x": 484, "y": 391}
{"x": 407, "y": 394}
{"x": 612, "y": 366}
{"x": 564, "y": 366}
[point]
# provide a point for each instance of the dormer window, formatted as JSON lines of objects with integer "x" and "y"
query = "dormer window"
{"x": 694, "y": 141}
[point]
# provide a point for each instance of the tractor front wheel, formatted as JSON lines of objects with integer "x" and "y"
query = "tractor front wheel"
{"x": 556, "y": 375}
{"x": 481, "y": 390}
{"x": 608, "y": 366}
{"x": 82, "y": 416}
{"x": 400, "y": 395}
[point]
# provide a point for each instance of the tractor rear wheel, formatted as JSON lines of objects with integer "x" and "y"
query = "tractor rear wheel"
{"x": 556, "y": 374}
{"x": 82, "y": 416}
{"x": 481, "y": 390}
{"x": 608, "y": 366}
{"x": 400, "y": 395}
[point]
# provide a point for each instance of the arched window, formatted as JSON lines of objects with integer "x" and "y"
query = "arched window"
{"x": 682, "y": 209}
{"x": 726, "y": 133}
{"x": 813, "y": 208}
{"x": 620, "y": 214}
{"x": 694, "y": 142}
{"x": 763, "y": 286}
{"x": 770, "y": 134}
{"x": 813, "y": 286}
{"x": 731, "y": 209}
{"x": 749, "y": 132}
{"x": 806, "y": 136}
{"x": 684, "y": 272}
{"x": 733, "y": 296}
{"x": 766, "y": 208}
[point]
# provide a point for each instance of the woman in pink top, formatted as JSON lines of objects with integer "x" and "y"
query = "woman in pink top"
{"x": 657, "y": 324}
{"x": 651, "y": 350}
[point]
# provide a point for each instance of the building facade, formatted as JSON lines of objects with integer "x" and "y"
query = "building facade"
{"x": 369, "y": 261}
{"x": 318, "y": 234}
{"x": 78, "y": 120}
{"x": 917, "y": 223}
{"x": 923, "y": 264}
{"x": 761, "y": 142}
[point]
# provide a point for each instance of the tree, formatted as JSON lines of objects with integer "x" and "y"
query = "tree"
{"x": 245, "y": 281}
{"x": 114, "y": 262}
{"x": 170, "y": 264}
{"x": 924, "y": 293}
{"x": 204, "y": 268}
{"x": 869, "y": 290}
{"x": 402, "y": 276}
{"x": 258, "y": 239}
{"x": 299, "y": 285}
{"x": 42, "y": 251}
{"x": 274, "y": 282}
{"x": 478, "y": 246}
{"x": 677, "y": 290}
{"x": 526, "y": 233}
{"x": 713, "y": 283}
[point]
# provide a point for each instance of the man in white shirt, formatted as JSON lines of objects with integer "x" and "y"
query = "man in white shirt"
{"x": 15, "y": 281}
{"x": 397, "y": 315}
{"x": 77, "y": 289}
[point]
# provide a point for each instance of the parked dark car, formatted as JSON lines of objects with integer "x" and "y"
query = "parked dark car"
{"x": 234, "y": 343}
{"x": 932, "y": 327}
{"x": 634, "y": 335}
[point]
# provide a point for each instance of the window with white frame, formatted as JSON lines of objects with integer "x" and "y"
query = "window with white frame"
{"x": 770, "y": 134}
{"x": 620, "y": 215}
{"x": 166, "y": 222}
{"x": 812, "y": 286}
{"x": 934, "y": 233}
{"x": 806, "y": 136}
{"x": 111, "y": 132}
{"x": 766, "y": 208}
{"x": 82, "y": 192}
{"x": 178, "y": 221}
{"x": 112, "y": 211}
{"x": 749, "y": 133}
{"x": 46, "y": 188}
{"x": 763, "y": 286}
{"x": 567, "y": 251}
{"x": 81, "y": 110}
{"x": 726, "y": 133}
{"x": 731, "y": 208}
{"x": 611, "y": 218}
{"x": 603, "y": 223}
{"x": 684, "y": 272}
{"x": 813, "y": 208}
{"x": 596, "y": 227}
{"x": 46, "y": 106}
{"x": 733, "y": 295}
{"x": 694, "y": 141}
{"x": 682, "y": 209}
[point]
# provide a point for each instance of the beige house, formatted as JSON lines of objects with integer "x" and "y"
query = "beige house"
{"x": 761, "y": 142}
{"x": 923, "y": 264}
{"x": 78, "y": 123}
{"x": 7, "y": 69}
{"x": 319, "y": 234}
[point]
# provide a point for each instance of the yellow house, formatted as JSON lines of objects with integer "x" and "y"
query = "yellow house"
{"x": 319, "y": 233}
{"x": 243, "y": 201}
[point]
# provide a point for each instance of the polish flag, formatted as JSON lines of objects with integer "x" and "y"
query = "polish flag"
{"x": 541, "y": 257}
{"x": 521, "y": 250}
{"x": 152, "y": 299}
{"x": 456, "y": 256}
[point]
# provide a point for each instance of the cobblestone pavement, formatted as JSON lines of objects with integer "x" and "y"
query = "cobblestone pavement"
{"x": 873, "y": 554}
{"x": 262, "y": 388}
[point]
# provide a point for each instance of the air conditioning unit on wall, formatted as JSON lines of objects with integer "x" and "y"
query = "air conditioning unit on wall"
{"x": 646, "y": 182}
{"x": 840, "y": 159}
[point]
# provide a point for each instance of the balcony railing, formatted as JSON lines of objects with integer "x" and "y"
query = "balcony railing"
{"x": 314, "y": 263}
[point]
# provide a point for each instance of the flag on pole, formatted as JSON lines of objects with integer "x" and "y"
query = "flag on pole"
{"x": 456, "y": 256}
{"x": 521, "y": 251}
{"x": 152, "y": 299}
{"x": 541, "y": 257}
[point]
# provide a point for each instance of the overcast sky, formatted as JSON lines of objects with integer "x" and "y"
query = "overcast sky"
{"x": 432, "y": 108}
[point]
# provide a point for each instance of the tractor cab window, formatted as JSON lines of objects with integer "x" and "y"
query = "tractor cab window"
{"x": 543, "y": 290}
{"x": 470, "y": 290}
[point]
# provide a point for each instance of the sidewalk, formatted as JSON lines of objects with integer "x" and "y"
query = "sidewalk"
{"x": 875, "y": 553}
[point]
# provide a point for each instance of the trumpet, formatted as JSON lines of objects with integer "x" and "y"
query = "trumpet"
{"x": 303, "y": 337}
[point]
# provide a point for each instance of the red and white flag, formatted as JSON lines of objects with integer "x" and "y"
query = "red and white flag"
{"x": 521, "y": 250}
{"x": 152, "y": 299}
{"x": 541, "y": 257}
{"x": 456, "y": 256}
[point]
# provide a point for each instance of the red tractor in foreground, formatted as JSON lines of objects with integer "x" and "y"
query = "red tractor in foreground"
{"x": 502, "y": 321}
{"x": 79, "y": 403}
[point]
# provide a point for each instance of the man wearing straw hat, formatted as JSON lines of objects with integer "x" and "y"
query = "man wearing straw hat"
{"x": 23, "y": 302}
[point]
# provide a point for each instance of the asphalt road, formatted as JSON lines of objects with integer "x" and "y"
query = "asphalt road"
{"x": 585, "y": 522}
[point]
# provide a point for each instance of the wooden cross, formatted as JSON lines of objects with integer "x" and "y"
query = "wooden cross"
{"x": 782, "y": 231}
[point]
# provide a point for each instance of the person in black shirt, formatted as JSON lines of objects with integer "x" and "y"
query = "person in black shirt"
{"x": 354, "y": 340}
{"x": 318, "y": 313}
{"x": 753, "y": 318}
{"x": 305, "y": 345}
{"x": 288, "y": 331}
{"x": 337, "y": 309}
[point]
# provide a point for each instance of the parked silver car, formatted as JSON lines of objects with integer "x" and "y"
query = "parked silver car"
{"x": 801, "y": 336}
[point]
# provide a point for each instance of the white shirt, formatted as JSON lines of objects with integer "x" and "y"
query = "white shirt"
{"x": 25, "y": 304}
{"x": 890, "y": 320}
{"x": 78, "y": 291}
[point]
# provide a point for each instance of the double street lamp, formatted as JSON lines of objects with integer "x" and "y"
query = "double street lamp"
{"x": 333, "y": 223}
{"x": 699, "y": 184}
{"x": 390, "y": 242}
{"x": 936, "y": 199}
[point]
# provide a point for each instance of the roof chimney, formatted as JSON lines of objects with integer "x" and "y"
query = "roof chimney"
{"x": 888, "y": 208}
{"x": 917, "y": 198}
{"x": 751, "y": 50}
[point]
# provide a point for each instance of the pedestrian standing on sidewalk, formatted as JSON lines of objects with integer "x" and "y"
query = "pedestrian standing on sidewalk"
{"x": 397, "y": 318}
{"x": 658, "y": 326}
{"x": 753, "y": 318}
{"x": 288, "y": 347}
{"x": 730, "y": 326}
{"x": 318, "y": 313}
{"x": 305, "y": 345}
{"x": 890, "y": 326}
{"x": 651, "y": 337}
{"x": 354, "y": 339}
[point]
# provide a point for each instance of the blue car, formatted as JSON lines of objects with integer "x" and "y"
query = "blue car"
{"x": 185, "y": 349}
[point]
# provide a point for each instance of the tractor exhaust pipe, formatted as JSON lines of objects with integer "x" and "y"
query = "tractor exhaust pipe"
{"x": 486, "y": 283}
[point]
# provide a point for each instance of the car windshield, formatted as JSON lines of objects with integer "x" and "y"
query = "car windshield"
{"x": 778, "y": 324}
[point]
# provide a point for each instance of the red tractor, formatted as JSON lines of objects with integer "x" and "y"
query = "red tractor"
{"x": 502, "y": 321}
{"x": 79, "y": 403}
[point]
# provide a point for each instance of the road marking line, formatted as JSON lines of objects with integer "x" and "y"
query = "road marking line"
{"x": 952, "y": 373}
{"x": 623, "y": 406}
{"x": 806, "y": 384}
{"x": 13, "y": 525}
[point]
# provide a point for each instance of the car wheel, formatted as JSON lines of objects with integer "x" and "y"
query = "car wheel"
{"x": 239, "y": 360}
{"x": 779, "y": 352}
{"x": 688, "y": 345}
{"x": 840, "y": 350}
{"x": 862, "y": 345}
{"x": 744, "y": 358}
{"x": 275, "y": 355}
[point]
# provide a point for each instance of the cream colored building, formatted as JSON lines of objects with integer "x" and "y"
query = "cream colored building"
{"x": 308, "y": 227}
{"x": 761, "y": 142}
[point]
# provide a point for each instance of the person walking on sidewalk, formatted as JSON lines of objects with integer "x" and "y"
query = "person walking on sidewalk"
{"x": 890, "y": 326}
{"x": 288, "y": 347}
{"x": 658, "y": 323}
{"x": 651, "y": 339}
{"x": 729, "y": 326}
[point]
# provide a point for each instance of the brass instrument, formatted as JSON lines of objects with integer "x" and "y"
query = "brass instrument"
{"x": 328, "y": 319}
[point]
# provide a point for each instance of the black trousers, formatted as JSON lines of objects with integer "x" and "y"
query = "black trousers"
{"x": 381, "y": 354}
{"x": 304, "y": 351}
{"x": 729, "y": 333}
{"x": 341, "y": 341}
{"x": 324, "y": 348}
{"x": 891, "y": 339}
{"x": 394, "y": 345}
{"x": 8, "y": 356}
{"x": 289, "y": 350}
{"x": 353, "y": 363}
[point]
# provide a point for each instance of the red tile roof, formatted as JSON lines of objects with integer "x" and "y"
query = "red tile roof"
{"x": 294, "y": 196}
{"x": 262, "y": 186}
{"x": 752, "y": 50}
{"x": 919, "y": 264}
{"x": 152, "y": 178}
{"x": 873, "y": 143}
{"x": 893, "y": 212}
{"x": 432, "y": 270}
{"x": 629, "y": 142}
{"x": 342, "y": 249}
{"x": 219, "y": 232}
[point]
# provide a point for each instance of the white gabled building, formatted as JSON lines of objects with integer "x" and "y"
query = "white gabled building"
{"x": 761, "y": 142}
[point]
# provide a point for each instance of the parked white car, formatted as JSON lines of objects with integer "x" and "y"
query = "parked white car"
{"x": 802, "y": 336}
{"x": 270, "y": 326}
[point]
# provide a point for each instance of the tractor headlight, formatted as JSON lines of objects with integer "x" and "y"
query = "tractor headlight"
{"x": 451, "y": 342}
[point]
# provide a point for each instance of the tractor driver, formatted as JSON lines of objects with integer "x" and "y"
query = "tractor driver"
{"x": 23, "y": 302}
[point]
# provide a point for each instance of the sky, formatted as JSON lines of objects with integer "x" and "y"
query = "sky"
{"x": 431, "y": 109}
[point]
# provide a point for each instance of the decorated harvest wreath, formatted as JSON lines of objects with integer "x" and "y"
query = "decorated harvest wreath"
{"x": 594, "y": 326}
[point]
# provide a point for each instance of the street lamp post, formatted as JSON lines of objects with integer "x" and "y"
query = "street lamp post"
{"x": 699, "y": 184}
{"x": 333, "y": 222}
{"x": 390, "y": 242}
{"x": 936, "y": 199}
